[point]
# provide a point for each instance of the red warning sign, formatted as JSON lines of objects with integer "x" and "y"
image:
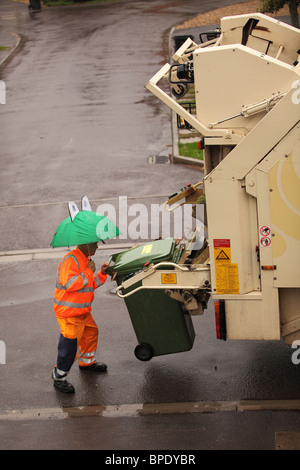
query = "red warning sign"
{"x": 264, "y": 230}
{"x": 265, "y": 239}
{"x": 221, "y": 242}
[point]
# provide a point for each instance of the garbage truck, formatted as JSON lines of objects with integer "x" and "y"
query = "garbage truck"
{"x": 245, "y": 82}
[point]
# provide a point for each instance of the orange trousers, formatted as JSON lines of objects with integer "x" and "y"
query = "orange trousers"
{"x": 78, "y": 339}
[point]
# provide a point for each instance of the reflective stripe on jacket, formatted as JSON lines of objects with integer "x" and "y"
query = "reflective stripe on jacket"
{"x": 75, "y": 285}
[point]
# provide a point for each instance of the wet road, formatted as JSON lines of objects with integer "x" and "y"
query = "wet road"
{"x": 77, "y": 121}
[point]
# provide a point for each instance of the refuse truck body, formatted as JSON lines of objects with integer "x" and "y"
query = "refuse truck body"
{"x": 246, "y": 82}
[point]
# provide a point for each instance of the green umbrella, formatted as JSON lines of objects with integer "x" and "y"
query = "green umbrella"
{"x": 85, "y": 227}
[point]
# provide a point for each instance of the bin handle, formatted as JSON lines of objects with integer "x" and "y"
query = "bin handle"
{"x": 123, "y": 296}
{"x": 173, "y": 208}
{"x": 131, "y": 292}
{"x": 169, "y": 263}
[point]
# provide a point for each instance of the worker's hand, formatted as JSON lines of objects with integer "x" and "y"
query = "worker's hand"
{"x": 91, "y": 265}
{"x": 104, "y": 268}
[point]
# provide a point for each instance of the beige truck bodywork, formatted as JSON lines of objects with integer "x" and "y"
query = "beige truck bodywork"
{"x": 247, "y": 92}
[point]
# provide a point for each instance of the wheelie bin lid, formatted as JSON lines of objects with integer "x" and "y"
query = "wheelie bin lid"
{"x": 135, "y": 258}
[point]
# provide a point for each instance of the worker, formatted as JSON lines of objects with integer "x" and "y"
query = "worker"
{"x": 74, "y": 293}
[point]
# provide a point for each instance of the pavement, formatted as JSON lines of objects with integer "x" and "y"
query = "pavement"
{"x": 133, "y": 415}
{"x": 8, "y": 44}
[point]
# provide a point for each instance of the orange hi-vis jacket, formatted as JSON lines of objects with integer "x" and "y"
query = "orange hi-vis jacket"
{"x": 75, "y": 285}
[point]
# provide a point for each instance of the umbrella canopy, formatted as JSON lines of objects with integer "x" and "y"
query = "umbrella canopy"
{"x": 86, "y": 227}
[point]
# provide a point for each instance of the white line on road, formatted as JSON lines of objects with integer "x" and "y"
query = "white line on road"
{"x": 51, "y": 253}
{"x": 53, "y": 203}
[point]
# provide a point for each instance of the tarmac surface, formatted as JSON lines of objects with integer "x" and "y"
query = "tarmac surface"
{"x": 218, "y": 396}
{"x": 198, "y": 400}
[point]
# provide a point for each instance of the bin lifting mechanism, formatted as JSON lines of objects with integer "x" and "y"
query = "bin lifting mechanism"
{"x": 189, "y": 284}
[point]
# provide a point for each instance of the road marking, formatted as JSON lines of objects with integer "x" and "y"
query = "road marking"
{"x": 58, "y": 203}
{"x": 52, "y": 253}
{"x": 136, "y": 410}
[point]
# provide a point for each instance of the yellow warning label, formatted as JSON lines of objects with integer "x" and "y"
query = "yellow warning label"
{"x": 147, "y": 249}
{"x": 227, "y": 279}
{"x": 222, "y": 254}
{"x": 227, "y": 276}
{"x": 169, "y": 278}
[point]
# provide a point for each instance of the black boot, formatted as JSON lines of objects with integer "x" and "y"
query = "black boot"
{"x": 62, "y": 384}
{"x": 96, "y": 367}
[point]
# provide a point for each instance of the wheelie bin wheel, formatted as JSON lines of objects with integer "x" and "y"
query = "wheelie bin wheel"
{"x": 144, "y": 352}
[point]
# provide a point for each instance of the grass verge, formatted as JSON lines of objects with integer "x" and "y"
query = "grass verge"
{"x": 190, "y": 150}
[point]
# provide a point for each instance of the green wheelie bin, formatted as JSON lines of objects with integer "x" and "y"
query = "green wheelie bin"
{"x": 161, "y": 324}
